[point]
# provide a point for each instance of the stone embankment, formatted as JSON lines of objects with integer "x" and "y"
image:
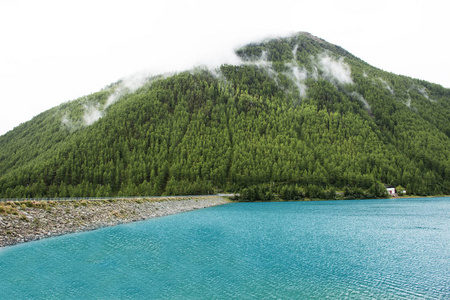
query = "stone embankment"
{"x": 23, "y": 221}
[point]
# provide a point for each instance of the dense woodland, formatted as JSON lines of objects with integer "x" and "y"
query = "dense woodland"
{"x": 299, "y": 118}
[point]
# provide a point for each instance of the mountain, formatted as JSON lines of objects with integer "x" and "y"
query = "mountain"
{"x": 299, "y": 117}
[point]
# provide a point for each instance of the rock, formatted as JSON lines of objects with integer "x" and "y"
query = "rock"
{"x": 66, "y": 218}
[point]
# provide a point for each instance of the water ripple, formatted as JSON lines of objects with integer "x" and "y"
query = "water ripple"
{"x": 374, "y": 249}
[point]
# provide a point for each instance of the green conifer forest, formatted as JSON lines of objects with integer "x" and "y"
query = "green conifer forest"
{"x": 299, "y": 117}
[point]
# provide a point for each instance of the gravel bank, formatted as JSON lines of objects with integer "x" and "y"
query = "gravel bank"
{"x": 24, "y": 221}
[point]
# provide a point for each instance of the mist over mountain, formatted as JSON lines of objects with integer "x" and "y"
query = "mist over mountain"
{"x": 297, "y": 117}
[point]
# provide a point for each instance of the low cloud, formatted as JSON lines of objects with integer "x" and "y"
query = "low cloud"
{"x": 408, "y": 102}
{"x": 94, "y": 111}
{"x": 127, "y": 85}
{"x": 300, "y": 76}
{"x": 362, "y": 100}
{"x": 296, "y": 74}
{"x": 264, "y": 63}
{"x": 67, "y": 122}
{"x": 424, "y": 93}
{"x": 336, "y": 71}
{"x": 386, "y": 85}
{"x": 91, "y": 114}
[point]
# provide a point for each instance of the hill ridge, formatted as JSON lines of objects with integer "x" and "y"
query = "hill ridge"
{"x": 299, "y": 117}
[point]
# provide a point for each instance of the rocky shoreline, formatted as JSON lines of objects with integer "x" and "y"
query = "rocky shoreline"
{"x": 23, "y": 221}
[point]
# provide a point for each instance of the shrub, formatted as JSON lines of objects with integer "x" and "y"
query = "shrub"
{"x": 257, "y": 193}
{"x": 291, "y": 192}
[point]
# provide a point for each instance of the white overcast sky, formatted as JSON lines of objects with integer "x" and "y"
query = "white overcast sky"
{"x": 55, "y": 51}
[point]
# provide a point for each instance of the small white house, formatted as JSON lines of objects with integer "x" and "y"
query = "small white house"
{"x": 391, "y": 190}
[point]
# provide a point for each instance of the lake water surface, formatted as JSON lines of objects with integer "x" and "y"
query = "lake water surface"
{"x": 365, "y": 249}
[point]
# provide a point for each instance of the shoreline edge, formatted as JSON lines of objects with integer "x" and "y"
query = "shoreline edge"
{"x": 25, "y": 221}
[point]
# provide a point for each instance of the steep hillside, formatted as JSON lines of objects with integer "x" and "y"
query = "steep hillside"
{"x": 299, "y": 117}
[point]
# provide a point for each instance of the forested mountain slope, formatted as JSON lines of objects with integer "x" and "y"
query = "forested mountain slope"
{"x": 298, "y": 117}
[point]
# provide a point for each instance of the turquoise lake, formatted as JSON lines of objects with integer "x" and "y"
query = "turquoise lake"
{"x": 359, "y": 249}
